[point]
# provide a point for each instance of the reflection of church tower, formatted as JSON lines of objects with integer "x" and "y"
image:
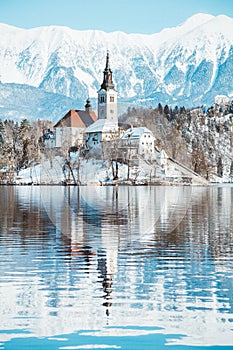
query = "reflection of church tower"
{"x": 107, "y": 280}
{"x": 107, "y": 96}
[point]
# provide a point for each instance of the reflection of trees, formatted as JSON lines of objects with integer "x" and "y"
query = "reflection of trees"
{"x": 28, "y": 220}
{"x": 208, "y": 208}
{"x": 123, "y": 211}
{"x": 199, "y": 225}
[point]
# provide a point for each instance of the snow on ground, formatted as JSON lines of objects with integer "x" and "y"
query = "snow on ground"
{"x": 96, "y": 172}
{"x": 91, "y": 171}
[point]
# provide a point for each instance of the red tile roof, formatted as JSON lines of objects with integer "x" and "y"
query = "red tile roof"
{"x": 77, "y": 118}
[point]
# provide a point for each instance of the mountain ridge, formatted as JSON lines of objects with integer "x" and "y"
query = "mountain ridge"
{"x": 184, "y": 65}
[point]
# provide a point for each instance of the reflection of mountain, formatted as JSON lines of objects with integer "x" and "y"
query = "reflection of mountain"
{"x": 148, "y": 256}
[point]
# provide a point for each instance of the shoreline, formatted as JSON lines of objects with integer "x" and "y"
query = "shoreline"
{"x": 119, "y": 184}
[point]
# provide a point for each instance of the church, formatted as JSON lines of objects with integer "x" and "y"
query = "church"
{"x": 71, "y": 128}
{"x": 83, "y": 127}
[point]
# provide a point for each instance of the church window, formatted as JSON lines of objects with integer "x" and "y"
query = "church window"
{"x": 111, "y": 98}
{"x": 102, "y": 99}
{"x": 111, "y": 111}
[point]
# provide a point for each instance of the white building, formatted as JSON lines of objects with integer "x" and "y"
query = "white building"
{"x": 140, "y": 141}
{"x": 223, "y": 103}
{"x": 222, "y": 100}
{"x": 100, "y": 131}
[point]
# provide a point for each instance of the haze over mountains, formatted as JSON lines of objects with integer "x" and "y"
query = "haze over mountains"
{"x": 186, "y": 65}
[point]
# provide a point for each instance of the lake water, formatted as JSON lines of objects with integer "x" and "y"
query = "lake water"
{"x": 116, "y": 267}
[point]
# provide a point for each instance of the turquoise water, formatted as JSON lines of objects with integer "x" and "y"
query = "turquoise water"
{"x": 116, "y": 267}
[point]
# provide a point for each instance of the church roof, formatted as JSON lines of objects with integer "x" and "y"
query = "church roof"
{"x": 102, "y": 125}
{"x": 77, "y": 118}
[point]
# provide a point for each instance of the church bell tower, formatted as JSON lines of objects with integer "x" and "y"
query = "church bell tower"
{"x": 107, "y": 96}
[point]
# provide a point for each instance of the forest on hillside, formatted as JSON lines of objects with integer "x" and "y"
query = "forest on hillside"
{"x": 21, "y": 143}
{"x": 201, "y": 140}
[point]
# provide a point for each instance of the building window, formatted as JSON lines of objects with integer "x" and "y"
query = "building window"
{"x": 111, "y": 111}
{"x": 95, "y": 138}
{"x": 111, "y": 98}
{"x": 102, "y": 99}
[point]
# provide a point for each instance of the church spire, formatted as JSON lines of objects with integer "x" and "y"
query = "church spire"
{"x": 107, "y": 81}
{"x": 107, "y": 61}
{"x": 88, "y": 106}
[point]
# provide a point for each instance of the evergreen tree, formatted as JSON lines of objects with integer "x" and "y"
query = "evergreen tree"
{"x": 166, "y": 110}
{"x": 231, "y": 169}
{"x": 24, "y": 143}
{"x": 2, "y": 133}
{"x": 198, "y": 159}
{"x": 220, "y": 167}
{"x": 160, "y": 108}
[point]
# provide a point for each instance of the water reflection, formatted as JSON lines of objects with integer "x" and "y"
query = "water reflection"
{"x": 106, "y": 258}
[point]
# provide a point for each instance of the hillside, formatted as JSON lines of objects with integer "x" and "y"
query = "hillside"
{"x": 200, "y": 140}
{"x": 20, "y": 101}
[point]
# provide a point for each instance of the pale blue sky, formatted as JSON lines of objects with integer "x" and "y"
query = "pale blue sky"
{"x": 130, "y": 16}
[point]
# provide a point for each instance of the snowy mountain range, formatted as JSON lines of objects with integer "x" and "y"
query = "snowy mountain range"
{"x": 186, "y": 65}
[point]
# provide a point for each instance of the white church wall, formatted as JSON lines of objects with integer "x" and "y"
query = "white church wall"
{"x": 69, "y": 136}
